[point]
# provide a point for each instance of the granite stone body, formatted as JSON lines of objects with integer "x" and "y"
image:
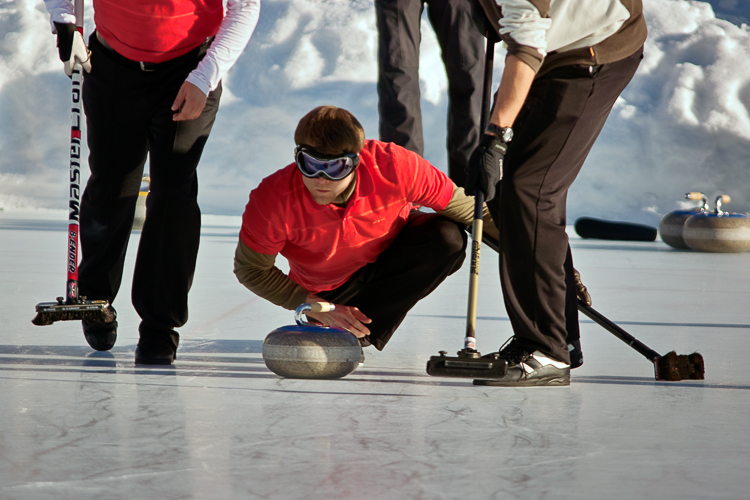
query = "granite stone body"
{"x": 308, "y": 351}
{"x": 671, "y": 225}
{"x": 711, "y": 232}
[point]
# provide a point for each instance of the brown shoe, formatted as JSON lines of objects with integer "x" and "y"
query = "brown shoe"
{"x": 581, "y": 292}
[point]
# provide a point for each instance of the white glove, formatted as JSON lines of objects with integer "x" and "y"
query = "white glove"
{"x": 71, "y": 48}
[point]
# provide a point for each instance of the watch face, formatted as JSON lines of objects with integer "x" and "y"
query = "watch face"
{"x": 506, "y": 134}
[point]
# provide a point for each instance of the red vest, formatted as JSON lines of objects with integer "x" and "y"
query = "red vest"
{"x": 326, "y": 244}
{"x": 157, "y": 30}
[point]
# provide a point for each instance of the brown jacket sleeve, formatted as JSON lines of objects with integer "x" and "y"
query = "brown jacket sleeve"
{"x": 461, "y": 209}
{"x": 259, "y": 274}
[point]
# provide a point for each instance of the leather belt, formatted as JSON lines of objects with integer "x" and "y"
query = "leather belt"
{"x": 151, "y": 66}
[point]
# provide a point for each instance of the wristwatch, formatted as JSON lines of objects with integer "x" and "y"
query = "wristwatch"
{"x": 504, "y": 133}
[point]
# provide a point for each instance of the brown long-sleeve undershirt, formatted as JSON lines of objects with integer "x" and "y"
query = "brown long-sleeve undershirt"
{"x": 259, "y": 274}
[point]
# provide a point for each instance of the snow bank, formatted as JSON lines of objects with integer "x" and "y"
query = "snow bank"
{"x": 683, "y": 123}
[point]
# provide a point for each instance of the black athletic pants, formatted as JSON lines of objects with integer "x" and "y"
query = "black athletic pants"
{"x": 462, "y": 47}
{"x": 563, "y": 115}
{"x": 426, "y": 251}
{"x": 129, "y": 117}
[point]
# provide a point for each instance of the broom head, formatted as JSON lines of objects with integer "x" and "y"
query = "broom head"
{"x": 465, "y": 366}
{"x": 93, "y": 311}
{"x": 674, "y": 367}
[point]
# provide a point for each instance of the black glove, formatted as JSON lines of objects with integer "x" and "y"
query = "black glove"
{"x": 71, "y": 47}
{"x": 65, "y": 32}
{"x": 485, "y": 167}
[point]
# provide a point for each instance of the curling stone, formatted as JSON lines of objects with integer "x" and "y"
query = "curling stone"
{"x": 718, "y": 231}
{"x": 305, "y": 350}
{"x": 670, "y": 226}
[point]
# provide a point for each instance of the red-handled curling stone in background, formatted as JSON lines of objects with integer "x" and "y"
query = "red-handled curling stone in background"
{"x": 306, "y": 350}
{"x": 718, "y": 231}
{"x": 671, "y": 225}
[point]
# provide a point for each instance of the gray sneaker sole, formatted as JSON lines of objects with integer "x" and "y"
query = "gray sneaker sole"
{"x": 547, "y": 376}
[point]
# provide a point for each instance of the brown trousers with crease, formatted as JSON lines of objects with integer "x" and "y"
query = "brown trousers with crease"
{"x": 561, "y": 119}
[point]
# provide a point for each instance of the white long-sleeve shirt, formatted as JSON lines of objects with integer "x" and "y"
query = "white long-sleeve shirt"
{"x": 240, "y": 19}
{"x": 560, "y": 32}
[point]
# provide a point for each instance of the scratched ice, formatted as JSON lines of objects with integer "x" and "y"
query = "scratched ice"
{"x": 77, "y": 424}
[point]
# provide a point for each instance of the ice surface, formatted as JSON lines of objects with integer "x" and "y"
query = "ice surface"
{"x": 77, "y": 424}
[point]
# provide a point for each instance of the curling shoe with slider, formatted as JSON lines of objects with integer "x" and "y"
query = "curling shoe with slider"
{"x": 101, "y": 336}
{"x": 530, "y": 369}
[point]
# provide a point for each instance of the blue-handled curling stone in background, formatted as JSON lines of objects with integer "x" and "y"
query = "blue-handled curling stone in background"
{"x": 671, "y": 225}
{"x": 305, "y": 350}
{"x": 718, "y": 231}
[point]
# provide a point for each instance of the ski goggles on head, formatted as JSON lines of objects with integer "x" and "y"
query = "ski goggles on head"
{"x": 334, "y": 167}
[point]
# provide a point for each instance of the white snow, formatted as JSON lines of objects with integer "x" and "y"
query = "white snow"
{"x": 683, "y": 124}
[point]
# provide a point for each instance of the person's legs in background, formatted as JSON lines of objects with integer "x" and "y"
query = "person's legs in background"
{"x": 399, "y": 108}
{"x": 462, "y": 47}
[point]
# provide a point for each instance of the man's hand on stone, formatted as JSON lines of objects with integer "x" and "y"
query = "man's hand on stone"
{"x": 346, "y": 317}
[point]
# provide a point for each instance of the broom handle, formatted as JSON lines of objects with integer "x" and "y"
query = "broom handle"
{"x": 74, "y": 201}
{"x": 477, "y": 224}
{"x": 600, "y": 319}
{"x": 618, "y": 332}
{"x": 489, "y": 58}
{"x": 78, "y": 11}
{"x": 476, "y": 243}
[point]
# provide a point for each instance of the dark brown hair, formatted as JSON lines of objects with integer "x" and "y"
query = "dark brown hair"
{"x": 330, "y": 130}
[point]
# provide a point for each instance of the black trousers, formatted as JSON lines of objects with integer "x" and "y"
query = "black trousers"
{"x": 563, "y": 115}
{"x": 462, "y": 47}
{"x": 427, "y": 250}
{"x": 129, "y": 118}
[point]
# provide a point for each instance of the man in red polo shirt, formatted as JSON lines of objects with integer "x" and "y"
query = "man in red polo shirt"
{"x": 151, "y": 90}
{"x": 343, "y": 216}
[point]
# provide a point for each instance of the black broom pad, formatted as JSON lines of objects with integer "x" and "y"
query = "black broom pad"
{"x": 588, "y": 227}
